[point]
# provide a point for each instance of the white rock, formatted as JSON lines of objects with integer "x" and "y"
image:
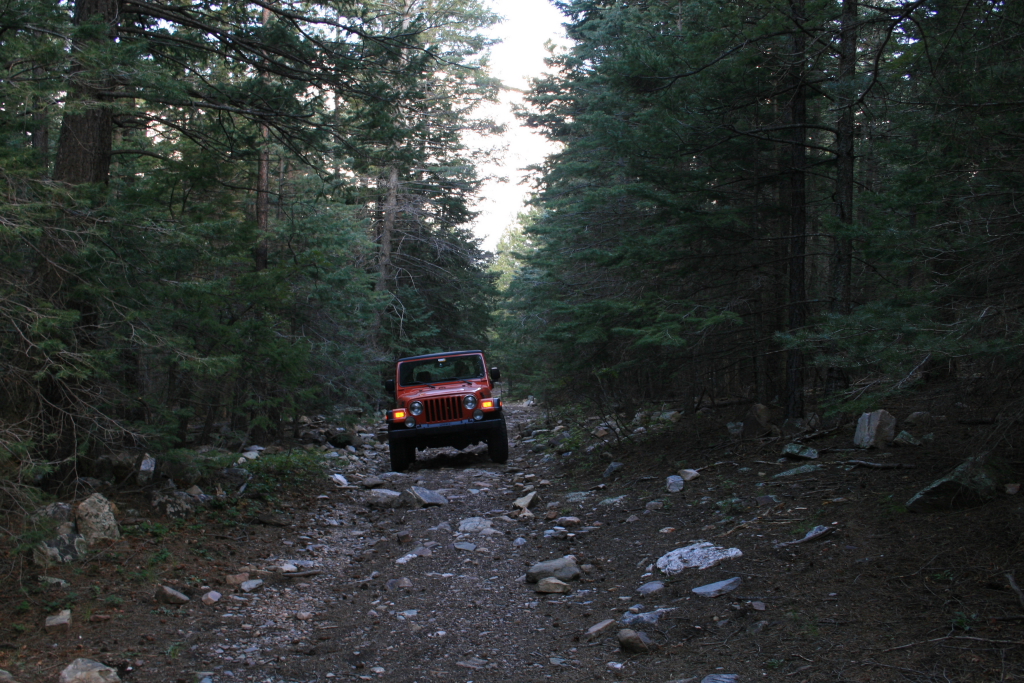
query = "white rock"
{"x": 211, "y": 598}
{"x": 550, "y": 584}
{"x": 59, "y": 622}
{"x": 95, "y": 517}
{"x": 875, "y": 429}
{"x": 474, "y": 525}
{"x": 674, "y": 483}
{"x": 700, "y": 555}
{"x": 169, "y": 596}
{"x": 88, "y": 671}
{"x": 689, "y": 475}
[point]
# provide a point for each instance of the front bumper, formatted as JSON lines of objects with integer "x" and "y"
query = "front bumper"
{"x": 399, "y": 432}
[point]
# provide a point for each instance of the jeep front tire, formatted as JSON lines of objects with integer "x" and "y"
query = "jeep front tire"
{"x": 497, "y": 444}
{"x": 403, "y": 454}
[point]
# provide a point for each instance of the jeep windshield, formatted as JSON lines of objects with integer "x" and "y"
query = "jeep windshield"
{"x": 443, "y": 369}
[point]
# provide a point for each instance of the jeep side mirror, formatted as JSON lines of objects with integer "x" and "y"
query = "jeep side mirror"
{"x": 495, "y": 375}
{"x": 389, "y": 386}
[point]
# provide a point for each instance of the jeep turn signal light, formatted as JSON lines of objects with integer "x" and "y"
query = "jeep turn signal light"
{"x": 398, "y": 415}
{"x": 487, "y": 403}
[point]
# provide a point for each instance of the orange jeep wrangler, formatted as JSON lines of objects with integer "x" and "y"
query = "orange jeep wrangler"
{"x": 444, "y": 399}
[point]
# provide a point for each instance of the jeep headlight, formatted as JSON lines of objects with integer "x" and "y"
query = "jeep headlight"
{"x": 469, "y": 402}
{"x": 416, "y": 408}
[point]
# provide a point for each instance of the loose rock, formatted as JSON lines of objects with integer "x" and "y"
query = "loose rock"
{"x": 528, "y": 501}
{"x": 251, "y": 585}
{"x": 612, "y": 469}
{"x": 634, "y": 641}
{"x": 700, "y": 555}
{"x": 597, "y": 629}
{"x": 651, "y": 588}
{"x": 169, "y": 596}
{"x": 563, "y": 568}
{"x": 713, "y": 590}
{"x": 799, "y": 450}
{"x": 64, "y": 549}
{"x": 59, "y": 622}
{"x": 95, "y": 517}
{"x": 675, "y": 483}
{"x": 211, "y": 598}
{"x": 875, "y": 429}
{"x": 381, "y": 498}
{"x": 971, "y": 484}
{"x": 474, "y": 525}
{"x": 550, "y": 584}
{"x": 418, "y": 497}
{"x": 88, "y": 671}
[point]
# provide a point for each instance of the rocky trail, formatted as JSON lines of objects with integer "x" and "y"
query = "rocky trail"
{"x": 809, "y": 574}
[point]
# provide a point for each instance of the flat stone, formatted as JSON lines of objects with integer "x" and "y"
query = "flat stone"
{"x": 371, "y": 482}
{"x": 689, "y": 475}
{"x": 797, "y": 471}
{"x": 211, "y": 598}
{"x": 251, "y": 585}
{"x": 654, "y": 505}
{"x": 462, "y": 545}
{"x": 799, "y": 450}
{"x": 550, "y": 584}
{"x": 612, "y": 469}
{"x": 650, "y": 588}
{"x": 713, "y": 590}
{"x": 644, "y": 618}
{"x": 700, "y": 555}
{"x": 577, "y": 496}
{"x": 563, "y": 568}
{"x": 568, "y": 521}
{"x": 303, "y": 616}
{"x": 635, "y": 642}
{"x": 905, "y": 438}
{"x": 474, "y": 525}
{"x": 598, "y": 629}
{"x": 88, "y": 671}
{"x": 674, "y": 483}
{"x": 169, "y": 596}
{"x": 874, "y": 429}
{"x": 614, "y": 501}
{"x": 721, "y": 678}
{"x": 381, "y": 498}
{"x": 473, "y": 663}
{"x": 528, "y": 501}
{"x": 418, "y": 497}
{"x": 59, "y": 622}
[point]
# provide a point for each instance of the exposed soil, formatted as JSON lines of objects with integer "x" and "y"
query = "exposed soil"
{"x": 887, "y": 596}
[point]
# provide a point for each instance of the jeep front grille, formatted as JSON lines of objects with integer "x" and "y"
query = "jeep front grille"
{"x": 443, "y": 409}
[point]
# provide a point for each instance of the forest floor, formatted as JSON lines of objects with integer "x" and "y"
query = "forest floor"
{"x": 886, "y": 596}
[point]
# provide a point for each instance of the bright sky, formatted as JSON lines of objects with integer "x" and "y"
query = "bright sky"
{"x": 528, "y": 25}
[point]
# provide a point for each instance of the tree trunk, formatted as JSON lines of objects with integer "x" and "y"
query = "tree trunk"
{"x": 842, "y": 255}
{"x": 263, "y": 188}
{"x": 798, "y": 218}
{"x": 84, "y": 146}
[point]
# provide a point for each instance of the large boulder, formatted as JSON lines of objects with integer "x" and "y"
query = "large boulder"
{"x": 975, "y": 482}
{"x": 175, "y": 504}
{"x": 875, "y": 429}
{"x": 64, "y": 549}
{"x": 95, "y": 517}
